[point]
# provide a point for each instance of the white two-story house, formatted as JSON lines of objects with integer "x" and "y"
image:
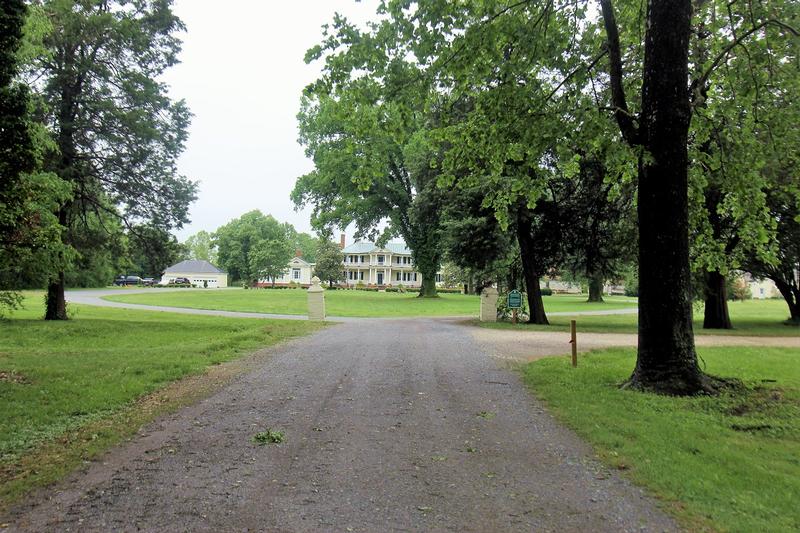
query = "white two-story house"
{"x": 366, "y": 263}
{"x": 362, "y": 262}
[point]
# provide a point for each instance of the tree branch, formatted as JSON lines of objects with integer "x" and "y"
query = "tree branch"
{"x": 624, "y": 118}
{"x": 703, "y": 79}
{"x": 569, "y": 76}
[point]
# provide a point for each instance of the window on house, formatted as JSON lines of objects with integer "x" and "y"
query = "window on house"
{"x": 295, "y": 273}
{"x": 398, "y": 276}
{"x": 415, "y": 276}
{"x": 361, "y": 275}
{"x": 381, "y": 258}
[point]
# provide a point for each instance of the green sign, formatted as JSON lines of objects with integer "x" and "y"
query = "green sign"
{"x": 514, "y": 299}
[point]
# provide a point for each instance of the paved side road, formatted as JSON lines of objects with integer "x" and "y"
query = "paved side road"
{"x": 390, "y": 426}
{"x": 95, "y": 297}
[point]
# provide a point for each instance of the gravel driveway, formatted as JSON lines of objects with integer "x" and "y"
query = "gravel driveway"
{"x": 525, "y": 346}
{"x": 400, "y": 425}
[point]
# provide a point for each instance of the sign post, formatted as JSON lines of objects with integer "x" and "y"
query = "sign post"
{"x": 514, "y": 303}
{"x": 574, "y": 341}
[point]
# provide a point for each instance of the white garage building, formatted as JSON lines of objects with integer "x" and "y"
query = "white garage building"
{"x": 197, "y": 272}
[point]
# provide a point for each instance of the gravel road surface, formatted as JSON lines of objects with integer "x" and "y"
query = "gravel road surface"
{"x": 524, "y": 346}
{"x": 404, "y": 425}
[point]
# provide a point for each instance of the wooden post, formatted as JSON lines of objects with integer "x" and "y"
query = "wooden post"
{"x": 514, "y": 316}
{"x": 574, "y": 342}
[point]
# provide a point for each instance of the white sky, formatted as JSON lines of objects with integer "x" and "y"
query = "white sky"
{"x": 242, "y": 73}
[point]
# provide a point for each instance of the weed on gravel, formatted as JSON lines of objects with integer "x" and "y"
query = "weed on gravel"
{"x": 270, "y": 436}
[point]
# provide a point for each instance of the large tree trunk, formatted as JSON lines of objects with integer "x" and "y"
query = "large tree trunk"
{"x": 792, "y": 297}
{"x": 56, "y": 304}
{"x": 666, "y": 360}
{"x": 716, "y": 314}
{"x": 596, "y": 288}
{"x": 428, "y": 287}
{"x": 526, "y": 245}
{"x": 427, "y": 258}
{"x": 535, "y": 303}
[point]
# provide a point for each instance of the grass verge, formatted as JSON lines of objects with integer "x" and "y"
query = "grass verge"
{"x": 760, "y": 318}
{"x": 345, "y": 303}
{"x": 69, "y": 390}
{"x": 730, "y": 463}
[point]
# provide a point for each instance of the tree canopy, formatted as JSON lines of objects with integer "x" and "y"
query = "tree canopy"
{"x": 254, "y": 247}
{"x": 115, "y": 131}
{"x": 553, "y": 109}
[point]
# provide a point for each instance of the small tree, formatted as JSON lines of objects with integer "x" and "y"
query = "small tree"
{"x": 268, "y": 259}
{"x": 329, "y": 262}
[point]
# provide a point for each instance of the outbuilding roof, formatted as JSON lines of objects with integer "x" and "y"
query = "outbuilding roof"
{"x": 368, "y": 247}
{"x": 194, "y": 266}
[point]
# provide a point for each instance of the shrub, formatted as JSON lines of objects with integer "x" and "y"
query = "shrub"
{"x": 739, "y": 289}
{"x": 506, "y": 313}
{"x": 546, "y": 291}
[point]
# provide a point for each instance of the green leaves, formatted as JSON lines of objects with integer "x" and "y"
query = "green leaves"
{"x": 254, "y": 246}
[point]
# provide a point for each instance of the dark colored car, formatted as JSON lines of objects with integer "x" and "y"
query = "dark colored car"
{"x": 127, "y": 280}
{"x": 180, "y": 281}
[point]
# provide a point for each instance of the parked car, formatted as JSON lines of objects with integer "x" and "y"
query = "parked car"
{"x": 180, "y": 281}
{"x": 147, "y": 282}
{"x": 122, "y": 281}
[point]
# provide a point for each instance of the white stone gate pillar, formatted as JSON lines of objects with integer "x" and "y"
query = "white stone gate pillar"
{"x": 316, "y": 300}
{"x": 489, "y": 304}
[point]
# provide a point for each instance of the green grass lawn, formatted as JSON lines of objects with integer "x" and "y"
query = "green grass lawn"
{"x": 730, "y": 463}
{"x": 750, "y": 317}
{"x": 344, "y": 303}
{"x": 57, "y": 377}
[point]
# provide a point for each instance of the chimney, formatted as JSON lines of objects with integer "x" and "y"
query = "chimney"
{"x": 298, "y": 253}
{"x": 341, "y": 242}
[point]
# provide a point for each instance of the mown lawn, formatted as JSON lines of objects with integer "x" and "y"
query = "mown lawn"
{"x": 344, "y": 303}
{"x": 750, "y": 317}
{"x": 59, "y": 377}
{"x": 730, "y": 463}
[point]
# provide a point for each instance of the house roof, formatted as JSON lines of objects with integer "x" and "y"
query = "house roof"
{"x": 194, "y": 267}
{"x": 367, "y": 247}
{"x": 300, "y": 261}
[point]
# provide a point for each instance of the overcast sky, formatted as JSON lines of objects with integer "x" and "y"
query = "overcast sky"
{"x": 242, "y": 73}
